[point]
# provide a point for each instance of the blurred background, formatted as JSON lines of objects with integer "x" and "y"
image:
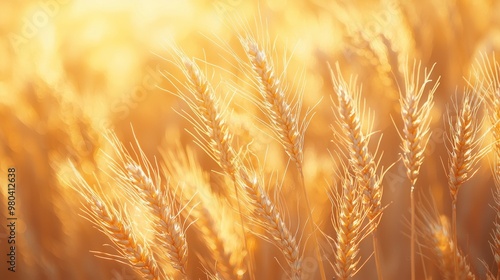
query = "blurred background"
{"x": 69, "y": 69}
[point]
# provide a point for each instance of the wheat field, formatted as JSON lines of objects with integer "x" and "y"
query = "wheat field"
{"x": 235, "y": 139}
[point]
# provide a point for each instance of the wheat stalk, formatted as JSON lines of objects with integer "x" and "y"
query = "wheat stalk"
{"x": 463, "y": 152}
{"x": 205, "y": 106}
{"x": 435, "y": 230}
{"x": 350, "y": 228}
{"x": 349, "y": 117}
{"x": 116, "y": 227}
{"x": 210, "y": 217}
{"x": 415, "y": 134}
{"x": 284, "y": 120}
{"x": 495, "y": 235}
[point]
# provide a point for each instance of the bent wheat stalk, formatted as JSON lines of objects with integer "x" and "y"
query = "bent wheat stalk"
{"x": 415, "y": 133}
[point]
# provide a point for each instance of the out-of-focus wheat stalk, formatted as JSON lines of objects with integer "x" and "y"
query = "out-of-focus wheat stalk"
{"x": 434, "y": 229}
{"x": 487, "y": 73}
{"x": 415, "y": 133}
{"x": 210, "y": 216}
{"x": 116, "y": 226}
{"x": 463, "y": 152}
{"x": 349, "y": 116}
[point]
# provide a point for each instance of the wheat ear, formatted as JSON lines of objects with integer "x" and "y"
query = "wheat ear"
{"x": 212, "y": 124}
{"x": 349, "y": 117}
{"x": 169, "y": 232}
{"x": 117, "y": 228}
{"x": 463, "y": 151}
{"x": 145, "y": 185}
{"x": 271, "y": 220}
{"x": 415, "y": 134}
{"x": 350, "y": 228}
{"x": 284, "y": 121}
{"x": 435, "y": 230}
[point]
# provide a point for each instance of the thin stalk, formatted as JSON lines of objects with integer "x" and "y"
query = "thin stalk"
{"x": 412, "y": 242}
{"x": 454, "y": 236}
{"x": 316, "y": 241}
{"x": 377, "y": 257}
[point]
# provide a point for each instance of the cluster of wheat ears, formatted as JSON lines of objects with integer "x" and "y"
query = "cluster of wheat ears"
{"x": 243, "y": 207}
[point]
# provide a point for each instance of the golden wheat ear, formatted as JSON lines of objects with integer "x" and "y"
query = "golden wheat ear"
{"x": 138, "y": 178}
{"x": 133, "y": 249}
{"x": 283, "y": 116}
{"x": 349, "y": 223}
{"x": 268, "y": 216}
{"x": 349, "y": 115}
